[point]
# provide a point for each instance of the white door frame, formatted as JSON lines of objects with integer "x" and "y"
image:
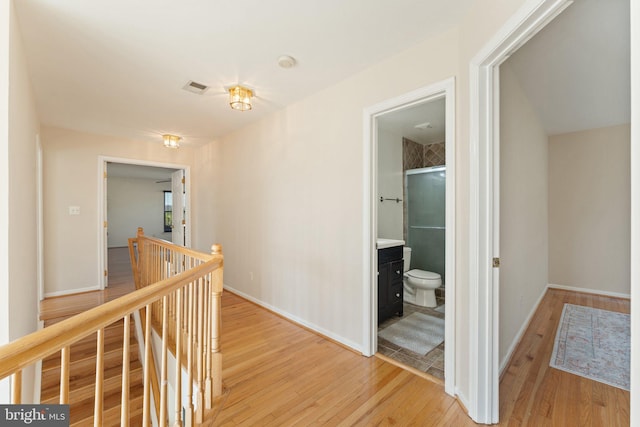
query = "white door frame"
{"x": 102, "y": 208}
{"x": 484, "y": 208}
{"x": 40, "y": 217}
{"x": 444, "y": 89}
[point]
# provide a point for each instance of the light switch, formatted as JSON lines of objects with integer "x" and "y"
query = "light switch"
{"x": 74, "y": 210}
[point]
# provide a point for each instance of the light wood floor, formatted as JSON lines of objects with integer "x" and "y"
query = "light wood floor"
{"x": 533, "y": 393}
{"x": 277, "y": 373}
{"x": 120, "y": 283}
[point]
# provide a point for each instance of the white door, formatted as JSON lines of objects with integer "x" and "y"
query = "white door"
{"x": 178, "y": 217}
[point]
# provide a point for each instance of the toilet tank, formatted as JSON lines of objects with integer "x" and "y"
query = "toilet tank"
{"x": 406, "y": 256}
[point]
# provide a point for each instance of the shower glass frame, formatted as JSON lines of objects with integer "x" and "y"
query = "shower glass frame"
{"x": 427, "y": 239}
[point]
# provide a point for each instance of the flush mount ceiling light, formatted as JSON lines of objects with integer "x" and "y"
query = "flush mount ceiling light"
{"x": 171, "y": 141}
{"x": 286, "y": 61}
{"x": 240, "y": 98}
{"x": 424, "y": 126}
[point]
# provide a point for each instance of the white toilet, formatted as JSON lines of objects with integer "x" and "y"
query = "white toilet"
{"x": 419, "y": 285}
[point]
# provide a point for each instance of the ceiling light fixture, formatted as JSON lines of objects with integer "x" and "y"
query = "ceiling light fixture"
{"x": 240, "y": 98}
{"x": 171, "y": 141}
{"x": 286, "y": 61}
{"x": 424, "y": 126}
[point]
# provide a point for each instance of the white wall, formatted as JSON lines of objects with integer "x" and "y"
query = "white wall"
{"x": 18, "y": 218}
{"x": 71, "y": 178}
{"x": 5, "y": 8}
{"x": 523, "y": 211}
{"x": 390, "y": 184}
{"x": 589, "y": 209}
{"x": 292, "y": 217}
{"x": 133, "y": 203}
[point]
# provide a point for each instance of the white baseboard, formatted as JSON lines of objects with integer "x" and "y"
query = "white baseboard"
{"x": 71, "y": 291}
{"x": 523, "y": 328}
{"x": 462, "y": 399}
{"x": 589, "y": 291}
{"x": 295, "y": 319}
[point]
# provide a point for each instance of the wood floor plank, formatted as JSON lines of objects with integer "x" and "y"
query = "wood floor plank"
{"x": 279, "y": 374}
{"x": 533, "y": 393}
{"x": 276, "y": 373}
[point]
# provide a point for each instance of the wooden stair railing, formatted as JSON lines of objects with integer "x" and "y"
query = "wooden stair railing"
{"x": 196, "y": 308}
{"x": 178, "y": 287}
{"x": 82, "y": 376}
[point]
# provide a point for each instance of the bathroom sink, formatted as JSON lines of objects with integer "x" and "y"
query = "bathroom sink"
{"x": 388, "y": 243}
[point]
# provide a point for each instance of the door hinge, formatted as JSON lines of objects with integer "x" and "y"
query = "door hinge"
{"x": 105, "y": 273}
{"x": 106, "y": 224}
{"x": 183, "y": 179}
{"x": 496, "y": 262}
{"x": 105, "y": 174}
{"x": 183, "y": 222}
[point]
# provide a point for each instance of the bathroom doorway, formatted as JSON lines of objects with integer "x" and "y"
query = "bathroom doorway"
{"x": 413, "y": 206}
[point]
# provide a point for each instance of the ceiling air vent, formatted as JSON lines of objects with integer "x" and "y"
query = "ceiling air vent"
{"x": 195, "y": 87}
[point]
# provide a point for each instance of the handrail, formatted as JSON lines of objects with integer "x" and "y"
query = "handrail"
{"x": 27, "y": 350}
{"x": 184, "y": 287}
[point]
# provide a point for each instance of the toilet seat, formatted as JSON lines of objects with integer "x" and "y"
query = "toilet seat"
{"x": 422, "y": 274}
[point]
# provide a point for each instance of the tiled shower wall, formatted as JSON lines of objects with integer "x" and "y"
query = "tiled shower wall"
{"x": 416, "y": 156}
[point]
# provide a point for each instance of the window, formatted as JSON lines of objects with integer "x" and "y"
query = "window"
{"x": 168, "y": 211}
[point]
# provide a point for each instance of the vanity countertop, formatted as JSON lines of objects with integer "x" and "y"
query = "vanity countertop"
{"x": 388, "y": 243}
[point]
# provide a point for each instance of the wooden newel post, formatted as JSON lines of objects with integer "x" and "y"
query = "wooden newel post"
{"x": 216, "y": 305}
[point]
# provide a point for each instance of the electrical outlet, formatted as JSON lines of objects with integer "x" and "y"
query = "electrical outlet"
{"x": 74, "y": 210}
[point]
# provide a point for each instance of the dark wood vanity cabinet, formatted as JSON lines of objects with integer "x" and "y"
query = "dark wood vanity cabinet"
{"x": 390, "y": 291}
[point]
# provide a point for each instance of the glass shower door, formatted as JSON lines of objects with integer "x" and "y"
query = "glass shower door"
{"x": 425, "y": 193}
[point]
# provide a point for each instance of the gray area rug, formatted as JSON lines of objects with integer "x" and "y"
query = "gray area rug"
{"x": 417, "y": 332}
{"x": 594, "y": 344}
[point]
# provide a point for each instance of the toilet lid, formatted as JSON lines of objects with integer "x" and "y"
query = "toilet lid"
{"x": 421, "y": 274}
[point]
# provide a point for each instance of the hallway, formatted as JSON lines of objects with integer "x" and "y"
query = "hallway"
{"x": 278, "y": 373}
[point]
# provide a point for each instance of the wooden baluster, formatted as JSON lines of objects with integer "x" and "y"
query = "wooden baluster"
{"x": 65, "y": 357}
{"x": 124, "y": 410}
{"x": 16, "y": 388}
{"x": 208, "y": 399}
{"x": 146, "y": 410}
{"x": 200, "y": 373}
{"x": 98, "y": 406}
{"x": 170, "y": 319}
{"x": 178, "y": 353}
{"x": 153, "y": 377}
{"x": 190, "y": 324}
{"x": 163, "y": 368}
{"x": 135, "y": 261}
{"x": 216, "y": 307}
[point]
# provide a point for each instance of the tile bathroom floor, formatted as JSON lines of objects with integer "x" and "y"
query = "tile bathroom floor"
{"x": 432, "y": 363}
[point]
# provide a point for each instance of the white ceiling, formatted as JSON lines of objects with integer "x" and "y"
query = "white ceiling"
{"x": 403, "y": 122}
{"x": 122, "y": 170}
{"x": 576, "y": 71}
{"x": 117, "y": 67}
